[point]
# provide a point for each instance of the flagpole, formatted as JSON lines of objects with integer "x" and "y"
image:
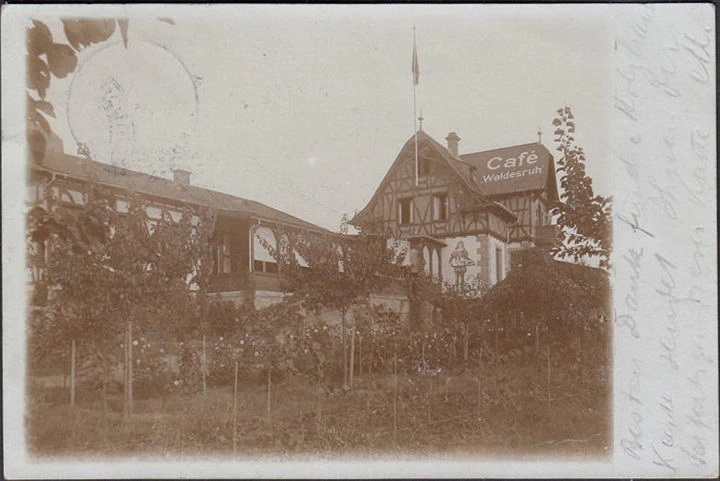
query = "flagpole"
{"x": 415, "y": 82}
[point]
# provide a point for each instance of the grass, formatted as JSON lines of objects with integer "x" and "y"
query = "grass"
{"x": 501, "y": 410}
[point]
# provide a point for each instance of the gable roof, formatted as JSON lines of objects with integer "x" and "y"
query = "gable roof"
{"x": 174, "y": 192}
{"x": 507, "y": 170}
{"x": 462, "y": 170}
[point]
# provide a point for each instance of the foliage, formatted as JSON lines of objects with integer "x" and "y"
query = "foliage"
{"x": 585, "y": 218}
{"x": 46, "y": 59}
{"x": 152, "y": 372}
{"x": 336, "y": 272}
{"x": 458, "y": 304}
{"x": 550, "y": 290}
{"x": 223, "y": 318}
{"x": 500, "y": 408}
{"x": 140, "y": 269}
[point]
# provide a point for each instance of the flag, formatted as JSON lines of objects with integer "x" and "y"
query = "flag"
{"x": 415, "y": 67}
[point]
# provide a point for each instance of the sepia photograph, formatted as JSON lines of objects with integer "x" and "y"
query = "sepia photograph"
{"x": 351, "y": 233}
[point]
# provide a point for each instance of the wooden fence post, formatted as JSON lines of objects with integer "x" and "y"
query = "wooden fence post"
{"x": 130, "y": 368}
{"x": 372, "y": 353}
{"x": 496, "y": 335}
{"x": 467, "y": 343}
{"x": 72, "y": 373}
{"x": 269, "y": 386}
{"x": 125, "y": 377}
{"x": 548, "y": 379}
{"x": 204, "y": 367}
{"x": 352, "y": 353}
{"x": 104, "y": 396}
{"x": 344, "y": 344}
{"x": 359, "y": 354}
{"x": 395, "y": 396}
{"x": 234, "y": 416}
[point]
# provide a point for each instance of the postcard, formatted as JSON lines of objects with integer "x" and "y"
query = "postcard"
{"x": 359, "y": 241}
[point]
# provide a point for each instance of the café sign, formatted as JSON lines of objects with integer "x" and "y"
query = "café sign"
{"x": 504, "y": 168}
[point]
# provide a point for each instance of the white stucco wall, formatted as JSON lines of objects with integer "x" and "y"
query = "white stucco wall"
{"x": 267, "y": 298}
{"x": 495, "y": 244}
{"x": 481, "y": 250}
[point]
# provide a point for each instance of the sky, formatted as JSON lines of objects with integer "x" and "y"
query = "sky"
{"x": 305, "y": 108}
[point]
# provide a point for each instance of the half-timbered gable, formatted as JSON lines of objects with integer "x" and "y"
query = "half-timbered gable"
{"x": 474, "y": 207}
{"x": 440, "y": 200}
{"x": 522, "y": 178}
{"x": 437, "y": 207}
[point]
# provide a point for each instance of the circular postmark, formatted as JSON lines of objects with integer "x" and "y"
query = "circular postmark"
{"x": 133, "y": 106}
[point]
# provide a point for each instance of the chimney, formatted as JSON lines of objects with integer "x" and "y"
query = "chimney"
{"x": 181, "y": 176}
{"x": 452, "y": 143}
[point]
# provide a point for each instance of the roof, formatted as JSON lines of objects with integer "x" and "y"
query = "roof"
{"x": 429, "y": 239}
{"x": 462, "y": 169}
{"x": 518, "y": 168}
{"x": 174, "y": 192}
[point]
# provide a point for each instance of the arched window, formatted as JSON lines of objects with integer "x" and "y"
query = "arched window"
{"x": 427, "y": 259}
{"x": 438, "y": 256}
{"x": 264, "y": 245}
{"x": 298, "y": 258}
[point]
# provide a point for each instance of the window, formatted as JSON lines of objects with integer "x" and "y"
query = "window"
{"x": 498, "y": 264}
{"x": 264, "y": 244}
{"x": 222, "y": 255}
{"x": 427, "y": 260}
{"x": 540, "y": 219}
{"x": 265, "y": 266}
{"x": 405, "y": 209}
{"x": 440, "y": 207}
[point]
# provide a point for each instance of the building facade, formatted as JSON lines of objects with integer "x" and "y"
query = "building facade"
{"x": 243, "y": 270}
{"x": 461, "y": 215}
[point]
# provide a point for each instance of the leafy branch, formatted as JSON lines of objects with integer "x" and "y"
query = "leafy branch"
{"x": 585, "y": 218}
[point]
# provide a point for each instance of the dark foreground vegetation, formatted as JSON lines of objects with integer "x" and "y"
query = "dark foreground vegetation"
{"x": 522, "y": 390}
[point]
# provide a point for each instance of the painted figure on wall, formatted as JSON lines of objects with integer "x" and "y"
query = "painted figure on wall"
{"x": 459, "y": 261}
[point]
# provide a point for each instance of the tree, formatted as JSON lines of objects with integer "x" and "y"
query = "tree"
{"x": 459, "y": 308}
{"x": 584, "y": 218}
{"x": 46, "y": 59}
{"x": 145, "y": 271}
{"x": 337, "y": 272}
